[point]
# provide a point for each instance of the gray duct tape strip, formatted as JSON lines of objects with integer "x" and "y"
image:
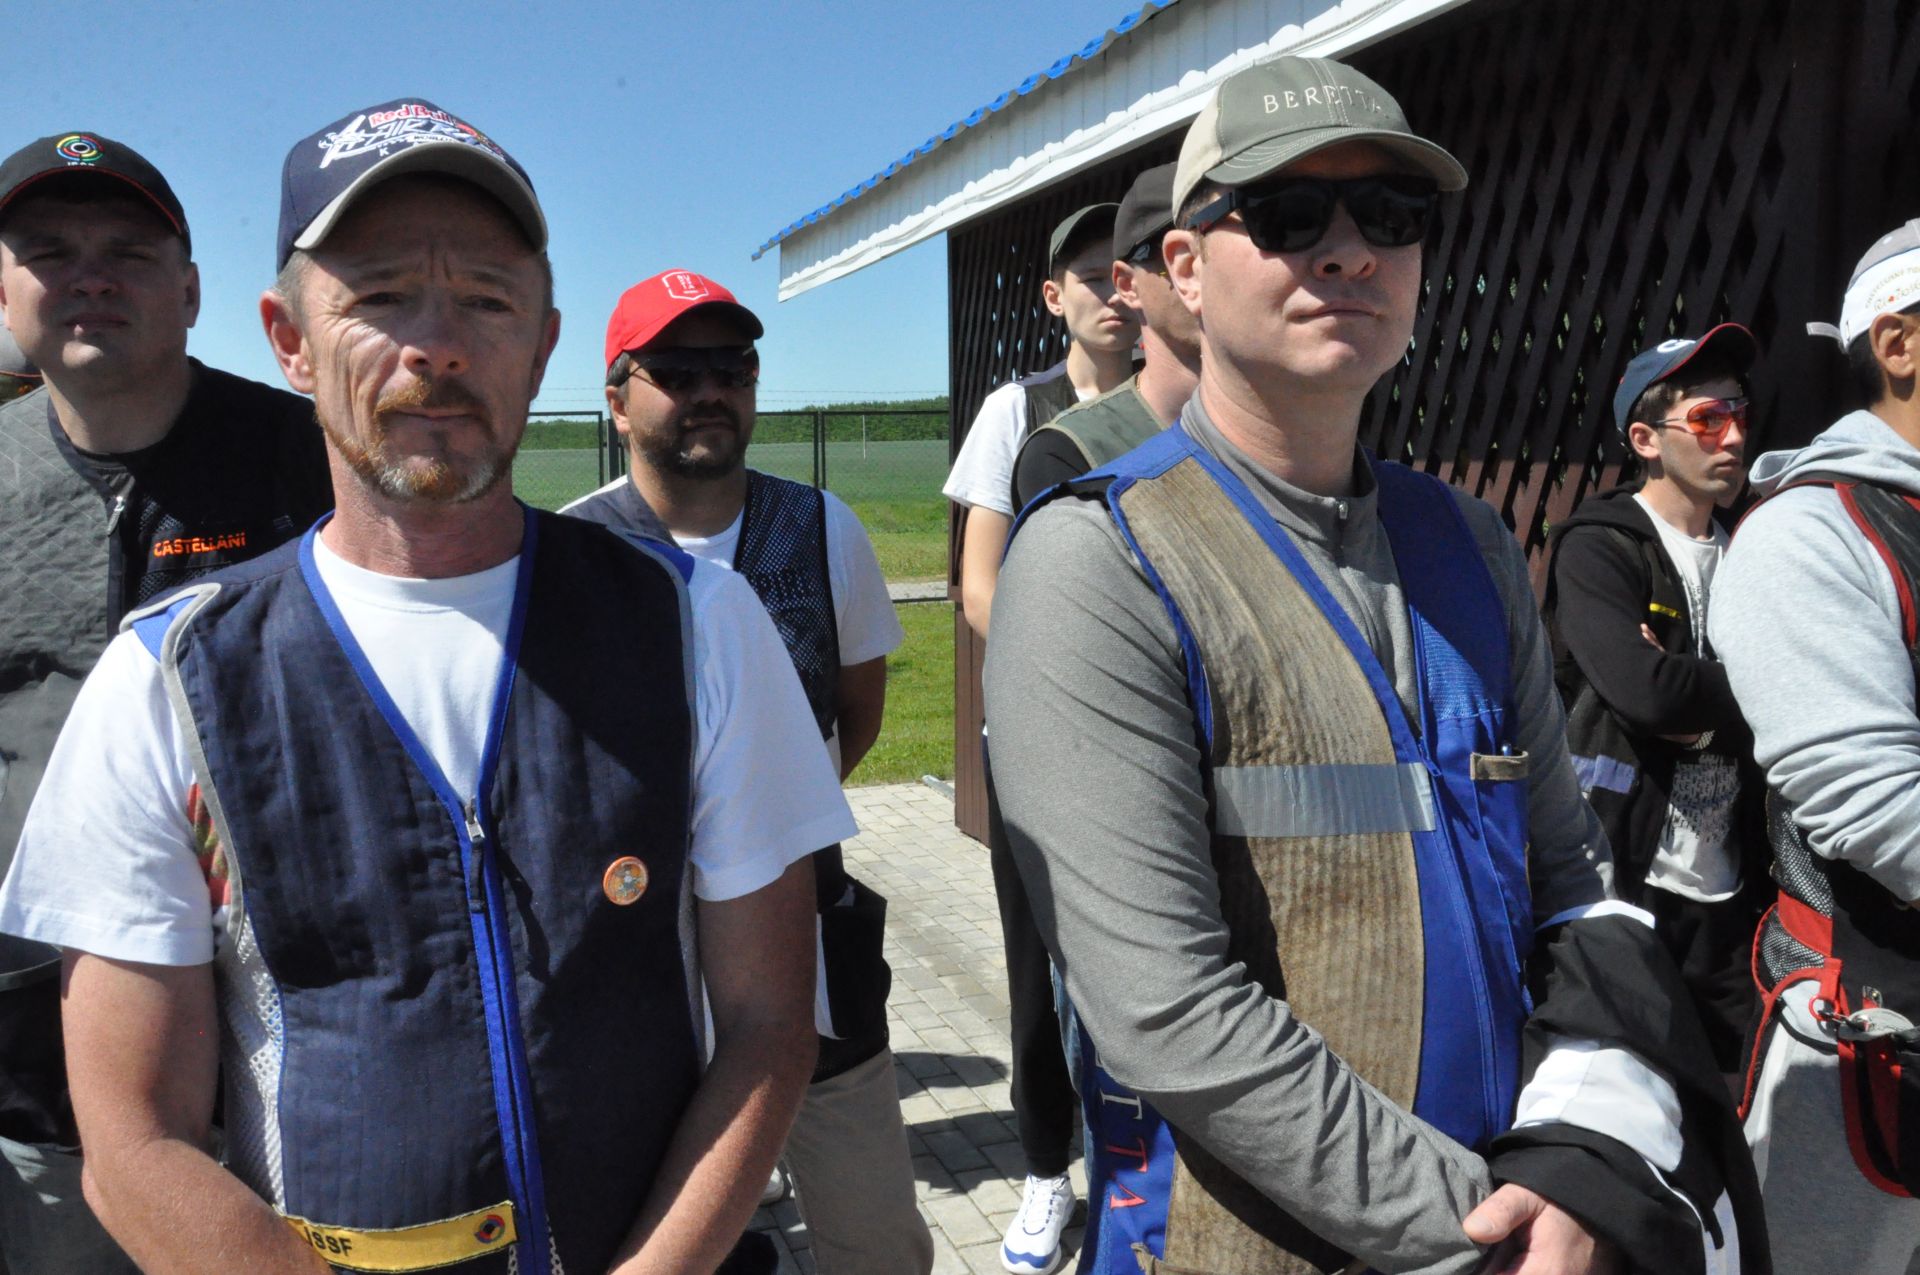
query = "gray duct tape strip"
{"x": 1322, "y": 800}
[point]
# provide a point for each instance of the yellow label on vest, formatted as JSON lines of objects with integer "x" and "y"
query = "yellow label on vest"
{"x": 413, "y": 1248}
{"x": 1667, "y": 611}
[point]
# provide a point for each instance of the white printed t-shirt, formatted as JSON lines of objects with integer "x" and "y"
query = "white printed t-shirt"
{"x": 1692, "y": 859}
{"x": 863, "y": 612}
{"x": 108, "y": 863}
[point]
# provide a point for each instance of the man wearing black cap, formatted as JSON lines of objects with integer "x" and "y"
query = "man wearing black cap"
{"x": 135, "y": 470}
{"x": 1657, "y": 739}
{"x": 1101, "y": 335}
{"x": 460, "y": 842}
{"x": 1090, "y": 434}
{"x": 1313, "y": 827}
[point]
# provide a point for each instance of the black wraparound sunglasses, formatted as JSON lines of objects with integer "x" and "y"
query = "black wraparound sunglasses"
{"x": 677, "y": 369}
{"x": 1292, "y": 215}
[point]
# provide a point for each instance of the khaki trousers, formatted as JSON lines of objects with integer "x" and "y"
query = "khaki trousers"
{"x": 854, "y": 1177}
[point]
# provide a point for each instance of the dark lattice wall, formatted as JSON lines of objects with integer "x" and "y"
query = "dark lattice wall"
{"x": 1640, "y": 169}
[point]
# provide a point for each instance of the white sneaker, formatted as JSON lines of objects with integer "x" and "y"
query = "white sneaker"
{"x": 776, "y": 1188}
{"x": 1032, "y": 1245}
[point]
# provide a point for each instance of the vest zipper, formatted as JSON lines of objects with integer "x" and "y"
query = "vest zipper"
{"x": 476, "y": 860}
{"x": 495, "y": 960}
{"x": 116, "y": 562}
{"x": 1340, "y": 508}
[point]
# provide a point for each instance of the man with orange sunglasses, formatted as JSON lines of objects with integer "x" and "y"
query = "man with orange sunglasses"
{"x": 1662, "y": 752}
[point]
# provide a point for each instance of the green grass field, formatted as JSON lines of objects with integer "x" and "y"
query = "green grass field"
{"x": 917, "y": 737}
{"x": 894, "y": 487}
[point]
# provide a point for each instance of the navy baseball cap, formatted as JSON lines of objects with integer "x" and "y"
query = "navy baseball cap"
{"x": 327, "y": 171}
{"x": 90, "y": 156}
{"x": 1651, "y": 366}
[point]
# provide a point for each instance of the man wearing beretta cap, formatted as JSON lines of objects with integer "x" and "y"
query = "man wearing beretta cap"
{"x": 365, "y": 829}
{"x": 1318, "y": 830}
{"x": 127, "y": 469}
{"x": 681, "y": 376}
{"x": 1814, "y": 615}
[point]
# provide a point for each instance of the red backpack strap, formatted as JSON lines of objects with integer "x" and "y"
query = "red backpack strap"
{"x": 1902, "y": 579}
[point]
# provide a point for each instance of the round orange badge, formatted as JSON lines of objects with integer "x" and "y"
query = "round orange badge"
{"x": 625, "y": 881}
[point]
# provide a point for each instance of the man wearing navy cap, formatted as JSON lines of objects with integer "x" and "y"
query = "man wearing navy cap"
{"x": 1657, "y": 740}
{"x": 133, "y": 471}
{"x": 461, "y": 842}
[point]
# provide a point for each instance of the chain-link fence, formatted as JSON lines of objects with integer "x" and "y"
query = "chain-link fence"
{"x": 563, "y": 456}
{"x": 888, "y": 464}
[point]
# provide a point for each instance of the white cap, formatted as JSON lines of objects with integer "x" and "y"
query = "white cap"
{"x": 1886, "y": 281}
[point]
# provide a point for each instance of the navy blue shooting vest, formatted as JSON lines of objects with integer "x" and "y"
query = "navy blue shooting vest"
{"x": 446, "y": 1007}
{"x": 1372, "y": 876}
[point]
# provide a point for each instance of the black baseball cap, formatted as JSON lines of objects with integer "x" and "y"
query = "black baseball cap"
{"x": 89, "y": 156}
{"x": 1146, "y": 212}
{"x": 328, "y": 170}
{"x": 1656, "y": 364}
{"x": 1079, "y": 226}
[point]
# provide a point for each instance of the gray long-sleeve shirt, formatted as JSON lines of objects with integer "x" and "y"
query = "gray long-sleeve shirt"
{"x": 1098, "y": 773}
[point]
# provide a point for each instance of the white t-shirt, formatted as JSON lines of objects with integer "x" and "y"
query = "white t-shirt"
{"x": 863, "y": 613}
{"x": 982, "y": 473}
{"x": 108, "y": 863}
{"x": 1692, "y": 860}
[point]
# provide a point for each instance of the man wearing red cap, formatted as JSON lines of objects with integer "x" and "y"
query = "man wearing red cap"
{"x": 681, "y": 372}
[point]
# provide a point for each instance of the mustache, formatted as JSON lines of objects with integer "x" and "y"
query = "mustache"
{"x": 695, "y": 415}
{"x": 438, "y": 395}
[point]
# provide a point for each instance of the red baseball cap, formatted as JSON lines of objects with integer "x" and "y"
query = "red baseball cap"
{"x": 651, "y": 304}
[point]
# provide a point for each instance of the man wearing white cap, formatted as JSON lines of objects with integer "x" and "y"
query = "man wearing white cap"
{"x": 1814, "y": 617}
{"x": 1313, "y": 830}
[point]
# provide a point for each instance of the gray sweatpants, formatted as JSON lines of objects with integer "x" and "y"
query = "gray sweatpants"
{"x": 1823, "y": 1216}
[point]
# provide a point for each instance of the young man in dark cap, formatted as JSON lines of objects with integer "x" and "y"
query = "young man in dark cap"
{"x": 1316, "y": 824}
{"x": 681, "y": 376}
{"x": 1079, "y": 289}
{"x": 133, "y": 471}
{"x": 1814, "y": 615}
{"x": 1092, "y": 433}
{"x": 1657, "y": 740}
{"x": 462, "y": 843}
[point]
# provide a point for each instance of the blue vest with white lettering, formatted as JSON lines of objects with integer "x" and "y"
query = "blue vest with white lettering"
{"x": 1473, "y": 904}
{"x": 440, "y": 1002}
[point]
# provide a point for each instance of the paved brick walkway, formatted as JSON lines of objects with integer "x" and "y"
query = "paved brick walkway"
{"x": 948, "y": 1013}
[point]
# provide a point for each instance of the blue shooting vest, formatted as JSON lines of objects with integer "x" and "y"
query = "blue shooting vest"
{"x": 1443, "y": 810}
{"x": 435, "y": 1005}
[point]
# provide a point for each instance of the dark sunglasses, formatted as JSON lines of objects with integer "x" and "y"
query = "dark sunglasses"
{"x": 1709, "y": 419}
{"x": 1293, "y": 214}
{"x": 679, "y": 369}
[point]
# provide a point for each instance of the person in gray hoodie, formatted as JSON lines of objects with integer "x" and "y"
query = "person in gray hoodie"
{"x": 1813, "y": 618}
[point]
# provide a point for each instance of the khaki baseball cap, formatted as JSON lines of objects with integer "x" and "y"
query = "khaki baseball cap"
{"x": 1273, "y": 113}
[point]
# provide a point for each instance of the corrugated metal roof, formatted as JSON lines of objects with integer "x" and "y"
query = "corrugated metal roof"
{"x": 1057, "y": 69}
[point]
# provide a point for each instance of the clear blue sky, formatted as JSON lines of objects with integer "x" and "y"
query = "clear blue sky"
{"x": 658, "y": 135}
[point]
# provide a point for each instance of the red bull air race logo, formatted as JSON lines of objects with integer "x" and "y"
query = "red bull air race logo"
{"x": 383, "y": 132}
